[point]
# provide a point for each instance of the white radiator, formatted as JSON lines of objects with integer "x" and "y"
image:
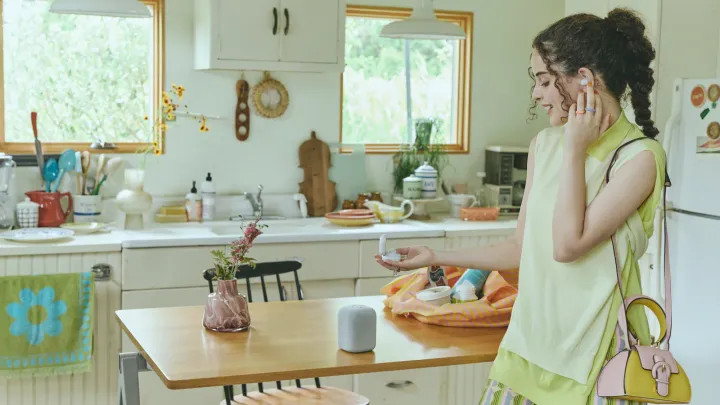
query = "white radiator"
{"x": 466, "y": 383}
{"x": 98, "y": 387}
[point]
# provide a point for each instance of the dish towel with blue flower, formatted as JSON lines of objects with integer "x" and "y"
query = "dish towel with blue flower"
{"x": 46, "y": 324}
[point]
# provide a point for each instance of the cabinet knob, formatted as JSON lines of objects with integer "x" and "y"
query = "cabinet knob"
{"x": 101, "y": 271}
{"x": 399, "y": 384}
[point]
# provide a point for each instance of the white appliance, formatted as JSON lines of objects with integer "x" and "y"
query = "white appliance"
{"x": 692, "y": 143}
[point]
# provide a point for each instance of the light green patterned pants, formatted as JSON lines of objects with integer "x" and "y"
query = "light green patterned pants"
{"x": 498, "y": 394}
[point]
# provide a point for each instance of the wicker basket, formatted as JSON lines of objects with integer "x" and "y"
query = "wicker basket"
{"x": 479, "y": 213}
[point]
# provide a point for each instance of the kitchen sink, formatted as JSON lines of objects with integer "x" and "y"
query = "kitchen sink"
{"x": 274, "y": 227}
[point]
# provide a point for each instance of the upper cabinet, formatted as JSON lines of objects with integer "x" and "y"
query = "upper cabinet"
{"x": 274, "y": 35}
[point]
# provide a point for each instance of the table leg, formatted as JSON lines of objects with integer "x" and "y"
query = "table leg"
{"x": 131, "y": 364}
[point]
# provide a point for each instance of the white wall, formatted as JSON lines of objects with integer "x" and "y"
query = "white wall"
{"x": 686, "y": 37}
{"x": 500, "y": 99}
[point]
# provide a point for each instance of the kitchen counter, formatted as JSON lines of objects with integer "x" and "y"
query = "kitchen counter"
{"x": 278, "y": 231}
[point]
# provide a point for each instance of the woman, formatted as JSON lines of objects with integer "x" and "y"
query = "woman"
{"x": 564, "y": 322}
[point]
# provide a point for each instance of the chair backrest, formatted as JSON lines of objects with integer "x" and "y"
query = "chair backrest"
{"x": 262, "y": 270}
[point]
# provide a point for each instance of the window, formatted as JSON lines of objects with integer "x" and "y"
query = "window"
{"x": 375, "y": 92}
{"x": 87, "y": 77}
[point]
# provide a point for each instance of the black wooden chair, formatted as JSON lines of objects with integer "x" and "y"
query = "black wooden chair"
{"x": 299, "y": 395}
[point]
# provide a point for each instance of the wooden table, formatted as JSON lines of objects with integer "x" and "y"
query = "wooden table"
{"x": 286, "y": 341}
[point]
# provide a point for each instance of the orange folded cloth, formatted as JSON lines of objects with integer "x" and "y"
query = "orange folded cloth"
{"x": 492, "y": 310}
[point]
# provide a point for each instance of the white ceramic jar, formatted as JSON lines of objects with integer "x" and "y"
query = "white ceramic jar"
{"x": 28, "y": 213}
{"x": 412, "y": 187}
{"x": 429, "y": 177}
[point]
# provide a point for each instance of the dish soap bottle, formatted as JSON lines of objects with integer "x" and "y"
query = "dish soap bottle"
{"x": 208, "y": 199}
{"x": 193, "y": 205}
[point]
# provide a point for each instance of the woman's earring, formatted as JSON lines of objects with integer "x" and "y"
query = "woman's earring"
{"x": 584, "y": 82}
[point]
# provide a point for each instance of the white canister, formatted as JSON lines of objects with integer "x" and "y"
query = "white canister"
{"x": 28, "y": 213}
{"x": 412, "y": 187}
{"x": 429, "y": 177}
{"x": 87, "y": 208}
{"x": 438, "y": 296}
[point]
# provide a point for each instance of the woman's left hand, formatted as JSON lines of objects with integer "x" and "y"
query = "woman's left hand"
{"x": 586, "y": 122}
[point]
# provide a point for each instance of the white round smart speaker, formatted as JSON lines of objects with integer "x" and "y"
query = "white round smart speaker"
{"x": 357, "y": 328}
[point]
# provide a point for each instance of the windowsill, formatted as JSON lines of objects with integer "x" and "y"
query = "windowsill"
{"x": 387, "y": 149}
{"x": 48, "y": 148}
{"x": 30, "y": 160}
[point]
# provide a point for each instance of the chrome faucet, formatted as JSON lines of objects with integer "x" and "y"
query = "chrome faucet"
{"x": 256, "y": 202}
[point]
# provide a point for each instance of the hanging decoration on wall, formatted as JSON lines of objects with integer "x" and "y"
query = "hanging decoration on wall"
{"x": 242, "y": 110}
{"x": 270, "y": 97}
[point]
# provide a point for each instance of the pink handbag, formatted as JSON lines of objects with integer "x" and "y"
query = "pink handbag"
{"x": 645, "y": 373}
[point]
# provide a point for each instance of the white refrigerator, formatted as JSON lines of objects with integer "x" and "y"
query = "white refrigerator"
{"x": 692, "y": 143}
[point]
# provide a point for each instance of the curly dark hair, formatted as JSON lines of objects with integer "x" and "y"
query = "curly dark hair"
{"x": 614, "y": 48}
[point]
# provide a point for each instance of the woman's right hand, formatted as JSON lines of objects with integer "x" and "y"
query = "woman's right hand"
{"x": 416, "y": 257}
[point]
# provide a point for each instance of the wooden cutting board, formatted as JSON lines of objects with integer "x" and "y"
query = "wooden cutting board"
{"x": 314, "y": 157}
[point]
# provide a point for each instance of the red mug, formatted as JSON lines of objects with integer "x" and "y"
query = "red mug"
{"x": 50, "y": 213}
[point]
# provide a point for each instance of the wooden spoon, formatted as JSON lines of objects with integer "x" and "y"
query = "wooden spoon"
{"x": 85, "y": 165}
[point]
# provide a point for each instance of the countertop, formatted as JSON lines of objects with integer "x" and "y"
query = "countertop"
{"x": 278, "y": 231}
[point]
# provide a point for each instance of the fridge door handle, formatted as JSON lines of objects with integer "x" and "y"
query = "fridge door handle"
{"x": 674, "y": 117}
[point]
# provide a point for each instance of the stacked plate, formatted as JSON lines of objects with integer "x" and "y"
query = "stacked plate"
{"x": 359, "y": 217}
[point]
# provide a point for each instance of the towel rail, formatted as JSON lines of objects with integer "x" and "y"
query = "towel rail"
{"x": 101, "y": 271}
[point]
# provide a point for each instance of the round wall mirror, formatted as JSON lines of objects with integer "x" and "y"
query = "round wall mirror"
{"x": 270, "y": 97}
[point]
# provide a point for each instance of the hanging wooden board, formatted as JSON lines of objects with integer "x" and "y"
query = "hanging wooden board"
{"x": 314, "y": 157}
{"x": 242, "y": 110}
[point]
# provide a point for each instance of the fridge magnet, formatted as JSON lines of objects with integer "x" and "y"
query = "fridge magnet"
{"x": 697, "y": 96}
{"x": 711, "y": 142}
{"x": 713, "y": 93}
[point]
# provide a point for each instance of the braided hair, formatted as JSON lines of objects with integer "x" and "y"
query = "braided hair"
{"x": 614, "y": 48}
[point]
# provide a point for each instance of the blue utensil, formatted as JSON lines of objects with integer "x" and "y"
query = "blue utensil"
{"x": 50, "y": 172}
{"x": 66, "y": 164}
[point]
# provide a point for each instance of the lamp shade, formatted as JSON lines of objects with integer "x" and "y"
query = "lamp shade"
{"x": 422, "y": 24}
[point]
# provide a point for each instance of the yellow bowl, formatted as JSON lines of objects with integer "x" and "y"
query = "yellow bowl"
{"x": 350, "y": 221}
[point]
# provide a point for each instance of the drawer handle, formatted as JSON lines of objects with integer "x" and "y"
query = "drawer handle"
{"x": 399, "y": 384}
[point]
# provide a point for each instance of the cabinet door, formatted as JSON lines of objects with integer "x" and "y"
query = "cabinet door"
{"x": 245, "y": 30}
{"x": 313, "y": 31}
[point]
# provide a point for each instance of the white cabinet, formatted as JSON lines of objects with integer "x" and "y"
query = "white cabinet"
{"x": 423, "y": 386}
{"x": 275, "y": 35}
{"x": 312, "y": 31}
{"x": 236, "y": 20}
{"x": 426, "y": 386}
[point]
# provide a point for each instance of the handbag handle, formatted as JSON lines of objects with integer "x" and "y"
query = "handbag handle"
{"x": 622, "y": 317}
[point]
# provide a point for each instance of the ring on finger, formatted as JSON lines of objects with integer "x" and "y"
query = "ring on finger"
{"x": 580, "y": 112}
{"x": 589, "y": 109}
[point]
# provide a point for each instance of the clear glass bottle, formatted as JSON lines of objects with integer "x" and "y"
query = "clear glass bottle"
{"x": 482, "y": 194}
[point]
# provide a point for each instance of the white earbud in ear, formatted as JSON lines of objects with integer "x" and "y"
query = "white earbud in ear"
{"x": 584, "y": 81}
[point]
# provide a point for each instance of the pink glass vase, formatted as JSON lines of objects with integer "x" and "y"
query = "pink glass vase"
{"x": 226, "y": 310}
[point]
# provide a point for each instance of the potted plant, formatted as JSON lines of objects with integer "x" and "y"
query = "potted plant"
{"x": 226, "y": 310}
{"x": 426, "y": 148}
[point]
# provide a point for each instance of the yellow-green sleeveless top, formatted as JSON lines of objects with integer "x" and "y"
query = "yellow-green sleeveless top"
{"x": 565, "y": 314}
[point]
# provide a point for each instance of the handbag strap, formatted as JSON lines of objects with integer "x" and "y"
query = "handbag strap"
{"x": 622, "y": 318}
